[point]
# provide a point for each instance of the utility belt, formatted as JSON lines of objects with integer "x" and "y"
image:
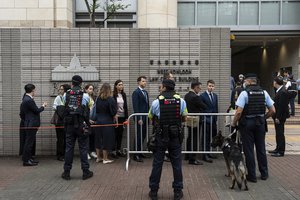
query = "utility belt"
{"x": 259, "y": 120}
{"x": 75, "y": 120}
{"x": 167, "y": 132}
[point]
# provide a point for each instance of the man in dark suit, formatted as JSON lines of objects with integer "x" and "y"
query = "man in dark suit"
{"x": 31, "y": 116}
{"x": 210, "y": 122}
{"x": 140, "y": 103}
{"x": 194, "y": 105}
{"x": 281, "y": 104}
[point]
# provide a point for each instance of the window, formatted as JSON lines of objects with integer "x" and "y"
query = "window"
{"x": 290, "y": 12}
{"x": 270, "y": 13}
{"x": 186, "y": 14}
{"x": 248, "y": 13}
{"x": 227, "y": 13}
{"x": 206, "y": 13}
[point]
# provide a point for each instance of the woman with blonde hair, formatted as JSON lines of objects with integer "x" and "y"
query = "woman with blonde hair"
{"x": 106, "y": 110}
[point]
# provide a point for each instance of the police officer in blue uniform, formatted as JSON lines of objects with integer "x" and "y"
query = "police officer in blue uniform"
{"x": 168, "y": 111}
{"x": 76, "y": 119}
{"x": 250, "y": 118}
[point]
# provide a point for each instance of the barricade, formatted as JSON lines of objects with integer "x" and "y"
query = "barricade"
{"x": 196, "y": 124}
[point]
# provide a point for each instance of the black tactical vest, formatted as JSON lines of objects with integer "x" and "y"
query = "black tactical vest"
{"x": 169, "y": 104}
{"x": 256, "y": 101}
{"x": 74, "y": 101}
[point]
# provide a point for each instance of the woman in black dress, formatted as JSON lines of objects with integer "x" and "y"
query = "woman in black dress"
{"x": 122, "y": 114}
{"x": 106, "y": 110}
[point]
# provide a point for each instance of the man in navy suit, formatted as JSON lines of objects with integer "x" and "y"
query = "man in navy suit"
{"x": 282, "y": 113}
{"x": 210, "y": 122}
{"x": 31, "y": 117}
{"x": 140, "y": 103}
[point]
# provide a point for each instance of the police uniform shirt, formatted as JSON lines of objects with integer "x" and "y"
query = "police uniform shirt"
{"x": 155, "y": 110}
{"x": 243, "y": 99}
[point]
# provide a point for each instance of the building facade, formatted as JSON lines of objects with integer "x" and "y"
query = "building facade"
{"x": 39, "y": 39}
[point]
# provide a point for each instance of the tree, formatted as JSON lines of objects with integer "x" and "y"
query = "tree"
{"x": 109, "y": 6}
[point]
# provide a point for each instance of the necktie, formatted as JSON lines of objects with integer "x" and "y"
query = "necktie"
{"x": 144, "y": 93}
{"x": 211, "y": 97}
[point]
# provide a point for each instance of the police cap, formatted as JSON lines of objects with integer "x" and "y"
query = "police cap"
{"x": 169, "y": 84}
{"x": 250, "y": 76}
{"x": 77, "y": 79}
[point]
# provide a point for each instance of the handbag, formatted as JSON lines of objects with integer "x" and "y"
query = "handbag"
{"x": 54, "y": 119}
{"x": 93, "y": 114}
{"x": 192, "y": 121}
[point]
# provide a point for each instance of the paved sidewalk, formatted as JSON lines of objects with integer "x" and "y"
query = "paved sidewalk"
{"x": 113, "y": 182}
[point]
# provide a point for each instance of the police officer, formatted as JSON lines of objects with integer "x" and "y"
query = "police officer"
{"x": 250, "y": 117}
{"x": 76, "y": 118}
{"x": 168, "y": 112}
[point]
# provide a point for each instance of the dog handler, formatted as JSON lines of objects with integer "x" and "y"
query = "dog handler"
{"x": 250, "y": 117}
{"x": 168, "y": 111}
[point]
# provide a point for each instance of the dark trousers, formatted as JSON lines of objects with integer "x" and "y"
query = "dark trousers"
{"x": 60, "y": 142}
{"x": 92, "y": 147}
{"x": 71, "y": 135}
{"x": 280, "y": 138}
{"x": 292, "y": 106}
{"x": 298, "y": 96}
{"x": 174, "y": 148}
{"x": 209, "y": 130}
{"x": 30, "y": 138}
{"x": 119, "y": 133}
{"x": 193, "y": 142}
{"x": 253, "y": 133}
{"x": 141, "y": 135}
{"x": 22, "y": 135}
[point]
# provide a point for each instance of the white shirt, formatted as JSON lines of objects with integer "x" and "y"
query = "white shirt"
{"x": 58, "y": 101}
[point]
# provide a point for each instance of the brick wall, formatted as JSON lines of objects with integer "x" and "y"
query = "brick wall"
{"x": 29, "y": 55}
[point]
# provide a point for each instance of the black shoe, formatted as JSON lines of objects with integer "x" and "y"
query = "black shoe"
{"x": 114, "y": 155}
{"x": 264, "y": 177}
{"x": 274, "y": 151}
{"x": 178, "y": 194}
{"x": 195, "y": 162}
{"x": 66, "y": 175}
{"x": 212, "y": 156}
{"x": 277, "y": 154}
{"x": 137, "y": 158}
{"x": 145, "y": 156}
{"x": 87, "y": 174}
{"x": 251, "y": 179}
{"x": 167, "y": 159}
{"x": 186, "y": 157}
{"x": 153, "y": 195}
{"x": 207, "y": 159}
{"x": 34, "y": 161}
{"x": 120, "y": 154}
{"x": 60, "y": 158}
{"x": 29, "y": 163}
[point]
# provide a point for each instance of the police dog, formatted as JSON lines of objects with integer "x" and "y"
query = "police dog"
{"x": 233, "y": 158}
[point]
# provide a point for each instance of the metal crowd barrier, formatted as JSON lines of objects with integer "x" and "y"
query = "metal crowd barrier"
{"x": 195, "y": 122}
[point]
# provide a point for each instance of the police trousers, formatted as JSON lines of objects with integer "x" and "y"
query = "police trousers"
{"x": 72, "y": 134}
{"x": 174, "y": 148}
{"x": 253, "y": 133}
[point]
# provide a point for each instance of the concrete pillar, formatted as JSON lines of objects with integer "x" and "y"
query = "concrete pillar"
{"x": 157, "y": 13}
